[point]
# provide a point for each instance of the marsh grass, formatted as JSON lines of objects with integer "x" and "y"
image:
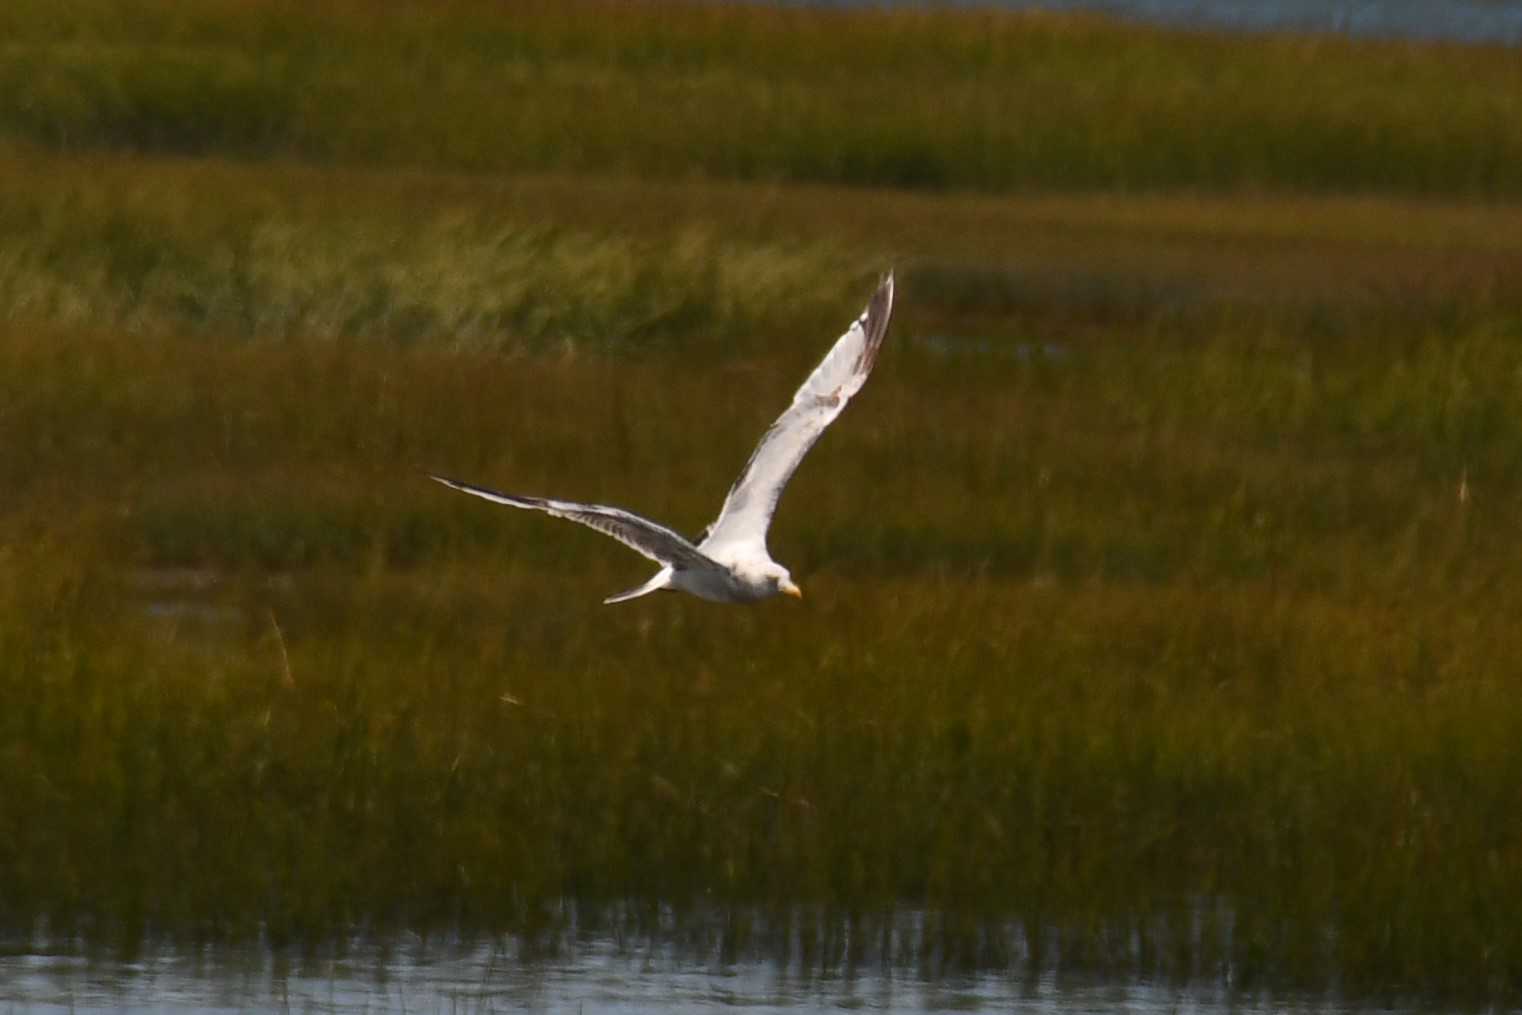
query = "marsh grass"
{"x": 1188, "y": 663}
{"x": 177, "y": 252}
{"x": 708, "y": 269}
{"x": 908, "y": 98}
{"x": 1160, "y": 585}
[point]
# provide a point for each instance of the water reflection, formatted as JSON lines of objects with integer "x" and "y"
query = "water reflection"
{"x": 596, "y": 979}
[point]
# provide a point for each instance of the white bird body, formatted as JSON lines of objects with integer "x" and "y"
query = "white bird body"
{"x": 730, "y": 562}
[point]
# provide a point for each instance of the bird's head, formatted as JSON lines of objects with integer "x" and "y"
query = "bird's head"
{"x": 783, "y": 583}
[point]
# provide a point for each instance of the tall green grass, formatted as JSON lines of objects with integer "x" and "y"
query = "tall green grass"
{"x": 1160, "y": 583}
{"x": 1192, "y": 662}
{"x": 172, "y": 250}
{"x": 713, "y": 269}
{"x": 910, "y": 98}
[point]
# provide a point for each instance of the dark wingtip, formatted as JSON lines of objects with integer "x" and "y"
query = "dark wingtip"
{"x": 875, "y": 321}
{"x": 880, "y": 308}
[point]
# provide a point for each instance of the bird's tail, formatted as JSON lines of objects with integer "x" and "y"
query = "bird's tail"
{"x": 660, "y": 580}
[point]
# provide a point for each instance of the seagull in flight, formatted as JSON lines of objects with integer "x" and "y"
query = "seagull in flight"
{"x": 729, "y": 562}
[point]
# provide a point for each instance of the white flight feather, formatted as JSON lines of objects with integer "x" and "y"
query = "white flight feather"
{"x": 747, "y": 512}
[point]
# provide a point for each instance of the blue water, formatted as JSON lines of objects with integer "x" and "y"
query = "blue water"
{"x": 1453, "y": 20}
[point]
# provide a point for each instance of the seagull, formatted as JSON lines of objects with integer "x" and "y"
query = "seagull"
{"x": 729, "y": 562}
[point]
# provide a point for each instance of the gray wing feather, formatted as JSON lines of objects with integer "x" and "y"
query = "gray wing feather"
{"x": 748, "y": 509}
{"x": 642, "y": 535}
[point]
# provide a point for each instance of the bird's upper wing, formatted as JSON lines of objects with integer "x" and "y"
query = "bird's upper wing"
{"x": 652, "y": 539}
{"x": 747, "y": 511}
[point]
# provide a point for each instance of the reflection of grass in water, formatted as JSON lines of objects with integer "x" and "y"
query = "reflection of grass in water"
{"x": 1090, "y": 644}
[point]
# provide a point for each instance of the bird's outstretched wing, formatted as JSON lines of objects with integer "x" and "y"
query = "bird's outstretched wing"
{"x": 651, "y": 539}
{"x": 747, "y": 511}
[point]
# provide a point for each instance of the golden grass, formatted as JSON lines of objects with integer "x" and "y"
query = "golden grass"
{"x": 1090, "y": 643}
{"x": 1159, "y": 584}
{"x": 913, "y": 98}
{"x": 540, "y": 262}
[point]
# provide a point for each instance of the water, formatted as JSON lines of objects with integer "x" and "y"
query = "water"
{"x": 598, "y": 979}
{"x": 1456, "y": 20}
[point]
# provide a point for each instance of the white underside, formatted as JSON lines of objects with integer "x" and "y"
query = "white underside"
{"x": 716, "y": 583}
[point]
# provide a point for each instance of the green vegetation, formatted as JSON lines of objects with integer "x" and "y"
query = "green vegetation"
{"x": 918, "y": 98}
{"x": 1160, "y": 585}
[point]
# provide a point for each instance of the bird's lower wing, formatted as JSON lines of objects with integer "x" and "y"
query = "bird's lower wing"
{"x": 651, "y": 539}
{"x": 748, "y": 509}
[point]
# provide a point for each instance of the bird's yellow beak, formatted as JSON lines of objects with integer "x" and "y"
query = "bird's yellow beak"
{"x": 792, "y": 590}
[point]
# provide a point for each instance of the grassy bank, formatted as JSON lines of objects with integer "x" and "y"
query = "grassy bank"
{"x": 928, "y": 99}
